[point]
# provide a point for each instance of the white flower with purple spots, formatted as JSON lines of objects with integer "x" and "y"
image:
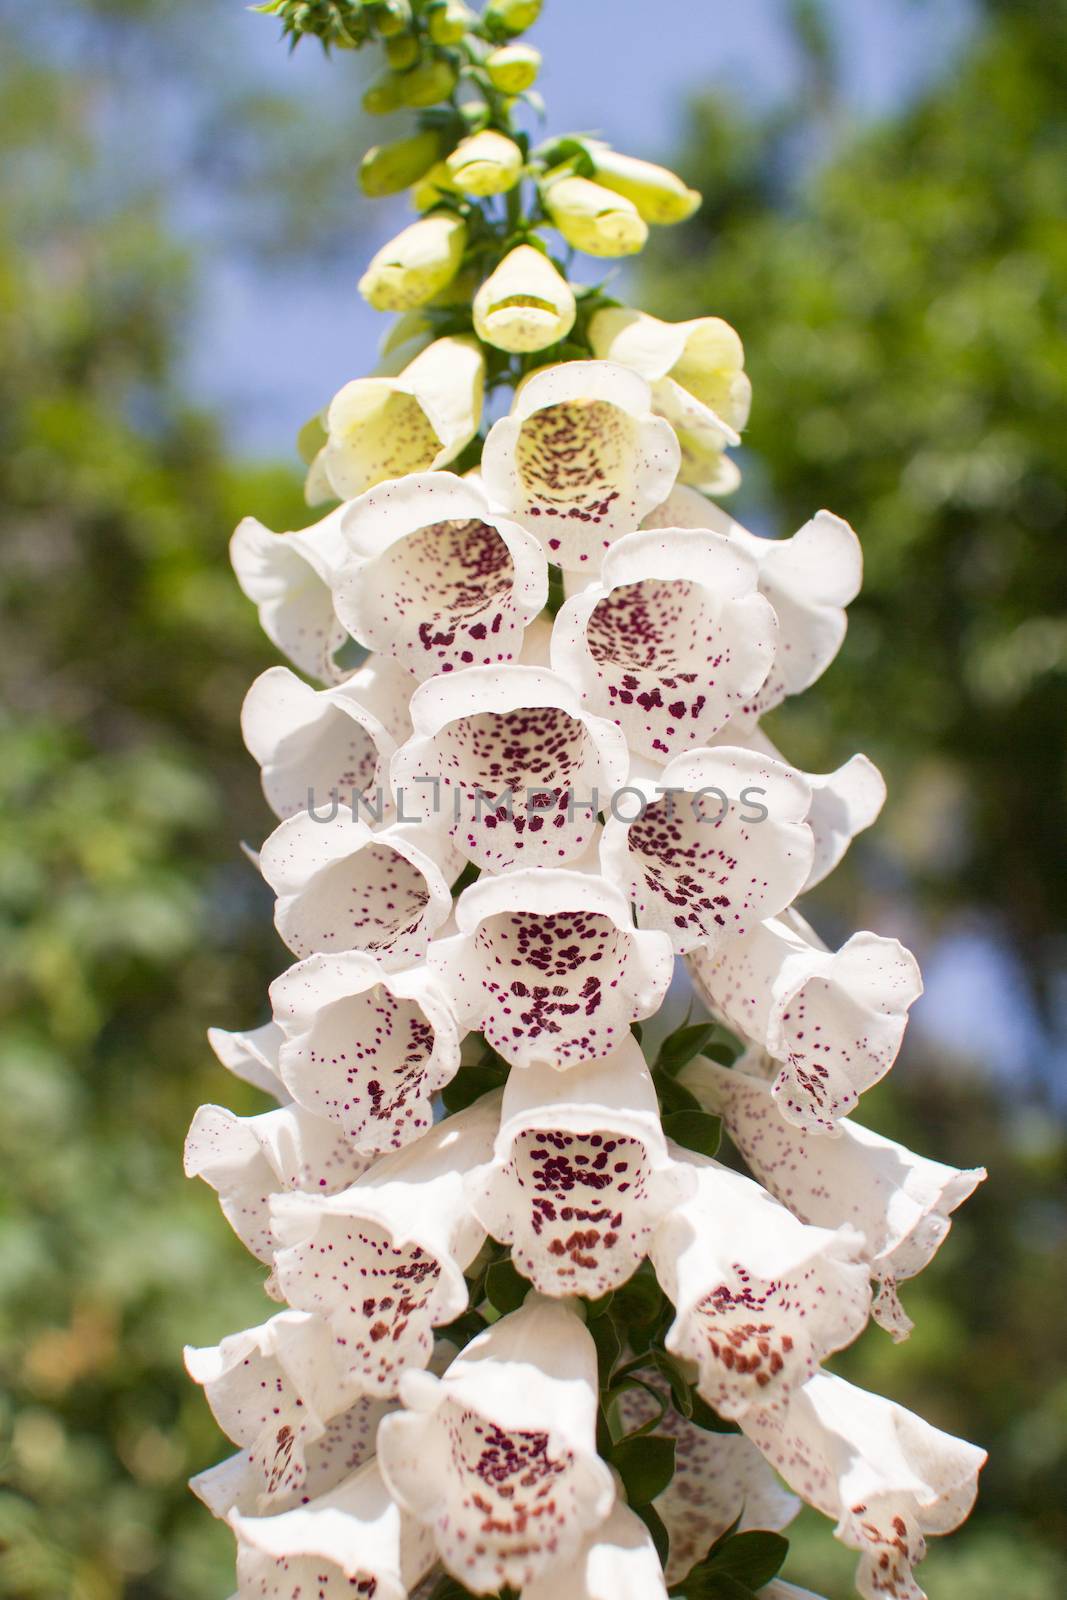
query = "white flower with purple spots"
{"x": 511, "y": 762}
{"x": 549, "y": 966}
{"x": 717, "y": 844}
{"x": 760, "y": 1299}
{"x": 578, "y": 1185}
{"x": 899, "y": 1201}
{"x": 498, "y": 1458}
{"x": 671, "y": 642}
{"x": 436, "y": 578}
{"x": 312, "y": 744}
{"x": 885, "y": 1477}
{"x": 382, "y": 1262}
{"x": 246, "y": 1160}
{"x": 289, "y": 577}
{"x": 365, "y": 1047}
{"x": 833, "y": 1021}
{"x": 580, "y": 459}
{"x": 252, "y": 1056}
{"x": 342, "y": 886}
{"x": 618, "y": 1561}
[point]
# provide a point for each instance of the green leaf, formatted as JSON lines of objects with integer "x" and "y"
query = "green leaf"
{"x": 505, "y": 1288}
{"x": 608, "y": 1346}
{"x": 684, "y": 1044}
{"x": 681, "y": 1393}
{"x": 703, "y": 1416}
{"x": 695, "y": 1130}
{"x": 674, "y": 1096}
{"x": 469, "y": 1084}
{"x": 752, "y": 1558}
{"x": 654, "y": 1523}
{"x": 638, "y": 1302}
{"x": 645, "y": 1465}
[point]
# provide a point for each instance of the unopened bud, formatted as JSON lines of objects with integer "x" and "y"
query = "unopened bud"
{"x": 392, "y": 17}
{"x": 659, "y": 194}
{"x": 388, "y": 168}
{"x": 402, "y": 51}
{"x": 513, "y": 68}
{"x": 486, "y": 163}
{"x": 414, "y": 266}
{"x": 594, "y": 219}
{"x": 515, "y": 16}
{"x": 450, "y": 21}
{"x": 525, "y": 304}
{"x": 383, "y": 95}
{"x": 428, "y": 83}
{"x": 429, "y": 189}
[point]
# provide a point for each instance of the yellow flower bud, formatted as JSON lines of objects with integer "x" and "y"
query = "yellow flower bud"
{"x": 594, "y": 219}
{"x": 486, "y": 163}
{"x": 514, "y": 15}
{"x": 525, "y": 304}
{"x": 431, "y": 186}
{"x": 428, "y": 83}
{"x": 414, "y": 266}
{"x": 388, "y": 168}
{"x": 392, "y": 17}
{"x": 449, "y": 21}
{"x": 659, "y": 195}
{"x": 383, "y": 95}
{"x": 513, "y": 68}
{"x": 402, "y": 51}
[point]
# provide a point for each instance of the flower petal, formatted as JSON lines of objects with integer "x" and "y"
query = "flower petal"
{"x": 672, "y": 640}
{"x": 516, "y": 735}
{"x": 354, "y": 1540}
{"x": 246, "y": 1160}
{"x": 499, "y": 1457}
{"x": 525, "y": 304}
{"x": 618, "y": 1561}
{"x": 887, "y": 1477}
{"x": 581, "y": 459}
{"x": 760, "y": 1298}
{"x": 724, "y": 846}
{"x": 364, "y": 1047}
{"x": 383, "y": 1262}
{"x": 288, "y": 576}
{"x": 835, "y": 1022}
{"x": 550, "y": 967}
{"x": 578, "y": 1186}
{"x": 342, "y": 887}
{"x": 900, "y": 1202}
{"x": 252, "y": 1056}
{"x": 439, "y": 581}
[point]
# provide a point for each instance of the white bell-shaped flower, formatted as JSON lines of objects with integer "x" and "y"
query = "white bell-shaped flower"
{"x": 512, "y": 762}
{"x": 289, "y": 578}
{"x": 899, "y": 1201}
{"x": 809, "y": 579}
{"x": 383, "y": 1262}
{"x": 248, "y": 1159}
{"x": 549, "y": 966}
{"x": 274, "y": 1390}
{"x": 698, "y": 380}
{"x": 252, "y": 1056}
{"x": 672, "y": 641}
{"x": 760, "y": 1298}
{"x": 578, "y": 1185}
{"x": 314, "y": 744}
{"x": 419, "y": 420}
{"x": 352, "y": 1541}
{"x": 617, "y": 1561}
{"x": 719, "y": 1479}
{"x": 717, "y": 844}
{"x": 436, "y": 578}
{"x": 365, "y": 1047}
{"x": 341, "y": 886}
{"x": 885, "y": 1476}
{"x": 580, "y": 460}
{"x": 833, "y": 1021}
{"x": 498, "y": 1458}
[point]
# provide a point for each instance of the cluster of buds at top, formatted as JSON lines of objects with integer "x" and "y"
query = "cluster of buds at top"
{"x": 537, "y": 1336}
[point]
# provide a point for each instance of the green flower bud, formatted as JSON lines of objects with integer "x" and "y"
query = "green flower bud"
{"x": 392, "y": 17}
{"x": 383, "y": 95}
{"x": 515, "y": 16}
{"x": 525, "y": 304}
{"x": 659, "y": 195}
{"x": 416, "y": 265}
{"x": 513, "y": 68}
{"x": 449, "y": 21}
{"x": 428, "y": 83}
{"x": 485, "y": 163}
{"x": 427, "y": 192}
{"x": 592, "y": 218}
{"x": 388, "y": 168}
{"x": 402, "y": 51}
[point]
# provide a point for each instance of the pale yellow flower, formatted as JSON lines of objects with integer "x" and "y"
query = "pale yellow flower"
{"x": 416, "y": 265}
{"x": 592, "y": 218}
{"x": 525, "y": 304}
{"x": 659, "y": 194}
{"x": 486, "y": 163}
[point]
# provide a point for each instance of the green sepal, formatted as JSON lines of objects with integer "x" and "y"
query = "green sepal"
{"x": 505, "y": 1288}
{"x": 694, "y": 1130}
{"x": 645, "y": 1464}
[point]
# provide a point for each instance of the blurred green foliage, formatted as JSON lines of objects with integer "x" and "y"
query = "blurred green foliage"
{"x": 901, "y": 312}
{"x": 901, "y": 292}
